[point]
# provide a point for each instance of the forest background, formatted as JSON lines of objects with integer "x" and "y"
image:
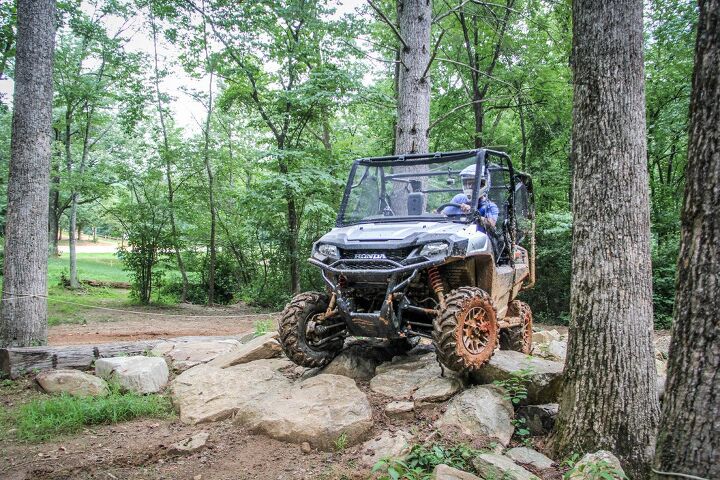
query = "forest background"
{"x": 218, "y": 187}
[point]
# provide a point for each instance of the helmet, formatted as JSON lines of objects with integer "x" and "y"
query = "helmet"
{"x": 467, "y": 176}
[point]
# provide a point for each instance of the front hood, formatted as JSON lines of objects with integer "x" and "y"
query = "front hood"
{"x": 395, "y": 231}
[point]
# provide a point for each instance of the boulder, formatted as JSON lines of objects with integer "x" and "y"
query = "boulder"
{"x": 359, "y": 359}
{"x": 192, "y": 444}
{"x": 492, "y": 466}
{"x": 184, "y": 355}
{"x": 545, "y": 336}
{"x": 72, "y": 382}
{"x": 386, "y": 445}
{"x": 260, "y": 348}
{"x": 545, "y": 377}
{"x": 662, "y": 347}
{"x": 539, "y": 419}
{"x": 601, "y": 461}
{"x": 400, "y": 409}
{"x": 557, "y": 349}
{"x": 444, "y": 472}
{"x": 317, "y": 410}
{"x": 528, "y": 456}
{"x": 415, "y": 377}
{"x": 480, "y": 411}
{"x": 661, "y": 381}
{"x": 137, "y": 374}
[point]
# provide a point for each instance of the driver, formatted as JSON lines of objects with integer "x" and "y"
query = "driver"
{"x": 487, "y": 209}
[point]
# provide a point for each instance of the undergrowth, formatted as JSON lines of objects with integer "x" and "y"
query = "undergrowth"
{"x": 422, "y": 460}
{"x": 45, "y": 418}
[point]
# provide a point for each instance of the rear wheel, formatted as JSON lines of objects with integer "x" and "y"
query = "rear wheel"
{"x": 465, "y": 332}
{"x": 518, "y": 338}
{"x": 306, "y": 338}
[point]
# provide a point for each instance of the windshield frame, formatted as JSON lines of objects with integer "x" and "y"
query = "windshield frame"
{"x": 481, "y": 158}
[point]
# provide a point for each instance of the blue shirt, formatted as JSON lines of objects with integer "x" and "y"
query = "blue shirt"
{"x": 487, "y": 208}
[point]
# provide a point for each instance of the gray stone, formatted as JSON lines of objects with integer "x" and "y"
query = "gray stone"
{"x": 662, "y": 347}
{"x": 387, "y": 445}
{"x": 192, "y": 444}
{"x": 415, "y": 377}
{"x": 444, "y": 472}
{"x": 558, "y": 349}
{"x": 184, "y": 355}
{"x": 357, "y": 360}
{"x": 600, "y": 460}
{"x": 137, "y": 374}
{"x": 661, "y": 381}
{"x": 260, "y": 348}
{"x": 317, "y": 410}
{"x": 492, "y": 466}
{"x": 480, "y": 410}
{"x": 539, "y": 419}
{"x": 528, "y": 456}
{"x": 400, "y": 409}
{"x": 545, "y": 379}
{"x": 72, "y": 382}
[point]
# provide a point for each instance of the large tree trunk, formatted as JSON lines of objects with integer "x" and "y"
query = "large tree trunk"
{"x": 609, "y": 399}
{"x": 413, "y": 92}
{"x": 689, "y": 436}
{"x": 24, "y": 318}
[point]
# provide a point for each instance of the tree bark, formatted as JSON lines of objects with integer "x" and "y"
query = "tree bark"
{"x": 689, "y": 435}
{"x": 24, "y": 318}
{"x": 211, "y": 198}
{"x": 72, "y": 241}
{"x": 413, "y": 93}
{"x": 609, "y": 398}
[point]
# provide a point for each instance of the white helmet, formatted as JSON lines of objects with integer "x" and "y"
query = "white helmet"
{"x": 467, "y": 176}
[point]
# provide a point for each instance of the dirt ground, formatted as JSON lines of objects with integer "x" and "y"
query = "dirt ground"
{"x": 179, "y": 321}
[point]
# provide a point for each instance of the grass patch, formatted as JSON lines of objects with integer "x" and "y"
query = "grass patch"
{"x": 96, "y": 266}
{"x": 262, "y": 327}
{"x": 45, "y": 418}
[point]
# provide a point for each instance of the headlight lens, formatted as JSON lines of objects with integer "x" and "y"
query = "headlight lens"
{"x": 329, "y": 250}
{"x": 434, "y": 249}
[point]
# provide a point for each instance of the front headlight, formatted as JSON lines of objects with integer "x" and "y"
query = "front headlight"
{"x": 434, "y": 249}
{"x": 328, "y": 250}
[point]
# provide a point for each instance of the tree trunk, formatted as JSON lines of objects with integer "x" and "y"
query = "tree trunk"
{"x": 413, "y": 102}
{"x": 53, "y": 216}
{"x": 24, "y": 318}
{"x": 689, "y": 435}
{"x": 73, "y": 233}
{"x": 211, "y": 200}
{"x": 609, "y": 398}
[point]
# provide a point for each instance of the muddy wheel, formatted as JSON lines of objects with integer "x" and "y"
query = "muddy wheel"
{"x": 304, "y": 336}
{"x": 465, "y": 333}
{"x": 518, "y": 338}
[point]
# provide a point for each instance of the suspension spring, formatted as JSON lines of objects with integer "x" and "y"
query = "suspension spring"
{"x": 436, "y": 280}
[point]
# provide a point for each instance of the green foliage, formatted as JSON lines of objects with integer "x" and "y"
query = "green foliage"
{"x": 515, "y": 386}
{"x": 263, "y": 326}
{"x": 45, "y": 418}
{"x": 422, "y": 460}
{"x": 341, "y": 442}
{"x": 599, "y": 470}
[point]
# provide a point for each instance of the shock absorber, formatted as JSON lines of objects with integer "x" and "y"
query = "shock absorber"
{"x": 437, "y": 284}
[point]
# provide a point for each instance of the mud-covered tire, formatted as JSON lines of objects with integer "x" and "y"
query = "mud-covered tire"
{"x": 292, "y": 331}
{"x": 465, "y": 333}
{"x": 519, "y": 338}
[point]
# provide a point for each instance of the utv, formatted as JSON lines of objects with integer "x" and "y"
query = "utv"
{"x": 405, "y": 262}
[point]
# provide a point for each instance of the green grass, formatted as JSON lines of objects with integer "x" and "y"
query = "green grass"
{"x": 42, "y": 419}
{"x": 96, "y": 266}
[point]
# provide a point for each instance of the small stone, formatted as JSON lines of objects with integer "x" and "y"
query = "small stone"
{"x": 197, "y": 477}
{"x": 72, "y": 382}
{"x": 528, "y": 456}
{"x": 491, "y": 465}
{"x": 444, "y": 472}
{"x": 191, "y": 444}
{"x": 305, "y": 447}
{"x": 400, "y": 409}
{"x": 387, "y": 445}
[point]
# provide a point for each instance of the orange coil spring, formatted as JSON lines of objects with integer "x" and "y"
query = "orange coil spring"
{"x": 435, "y": 279}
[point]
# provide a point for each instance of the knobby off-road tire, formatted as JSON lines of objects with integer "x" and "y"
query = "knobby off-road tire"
{"x": 465, "y": 333}
{"x": 293, "y": 331}
{"x": 518, "y": 338}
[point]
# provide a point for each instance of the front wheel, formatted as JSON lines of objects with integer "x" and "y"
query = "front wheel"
{"x": 306, "y": 338}
{"x": 465, "y": 333}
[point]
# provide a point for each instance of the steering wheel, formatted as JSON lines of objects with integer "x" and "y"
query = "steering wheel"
{"x": 450, "y": 204}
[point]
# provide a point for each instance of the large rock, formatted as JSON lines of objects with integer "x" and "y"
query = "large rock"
{"x": 544, "y": 379}
{"x": 317, "y": 410}
{"x": 260, "y": 348}
{"x": 387, "y": 445}
{"x": 528, "y": 456}
{"x": 184, "y": 355}
{"x": 592, "y": 464}
{"x": 480, "y": 411}
{"x": 539, "y": 419}
{"x": 137, "y": 374}
{"x": 400, "y": 409}
{"x": 72, "y": 382}
{"x": 444, "y": 472}
{"x": 358, "y": 360}
{"x": 492, "y": 466}
{"x": 415, "y": 377}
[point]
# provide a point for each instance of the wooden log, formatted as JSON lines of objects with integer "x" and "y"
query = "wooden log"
{"x": 18, "y": 361}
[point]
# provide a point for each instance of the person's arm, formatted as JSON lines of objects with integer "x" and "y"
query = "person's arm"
{"x": 491, "y": 214}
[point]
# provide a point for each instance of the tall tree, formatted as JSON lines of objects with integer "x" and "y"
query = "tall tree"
{"x": 689, "y": 436}
{"x": 609, "y": 397}
{"x": 24, "y": 308}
